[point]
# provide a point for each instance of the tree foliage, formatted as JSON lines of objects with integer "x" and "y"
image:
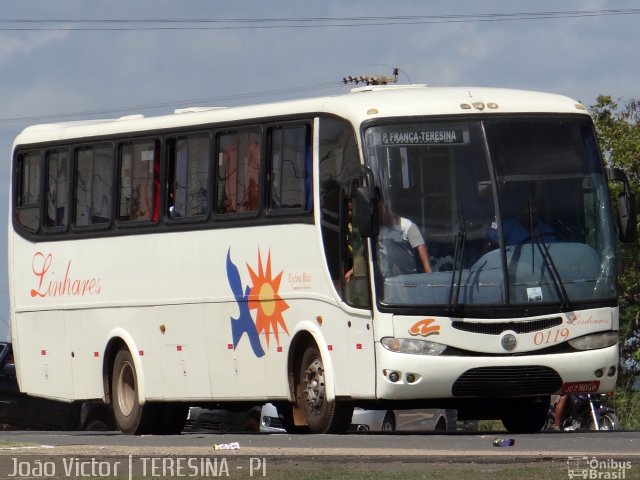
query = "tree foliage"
{"x": 618, "y": 128}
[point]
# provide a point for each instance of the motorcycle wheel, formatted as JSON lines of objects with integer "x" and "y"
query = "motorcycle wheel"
{"x": 608, "y": 421}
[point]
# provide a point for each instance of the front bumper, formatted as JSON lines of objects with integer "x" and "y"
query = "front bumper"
{"x": 423, "y": 376}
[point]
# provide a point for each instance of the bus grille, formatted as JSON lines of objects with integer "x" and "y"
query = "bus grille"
{"x": 527, "y": 326}
{"x": 507, "y": 381}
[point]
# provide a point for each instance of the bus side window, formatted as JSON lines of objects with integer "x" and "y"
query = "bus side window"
{"x": 239, "y": 172}
{"x": 28, "y": 190}
{"x": 57, "y": 189}
{"x": 188, "y": 189}
{"x": 94, "y": 185}
{"x": 339, "y": 168}
{"x": 290, "y": 168}
{"x": 356, "y": 279}
{"x": 139, "y": 178}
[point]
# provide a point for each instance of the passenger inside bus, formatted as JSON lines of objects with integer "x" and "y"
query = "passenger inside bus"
{"x": 355, "y": 286}
{"x": 401, "y": 247}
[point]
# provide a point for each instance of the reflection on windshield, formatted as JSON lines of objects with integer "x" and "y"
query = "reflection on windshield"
{"x": 519, "y": 218}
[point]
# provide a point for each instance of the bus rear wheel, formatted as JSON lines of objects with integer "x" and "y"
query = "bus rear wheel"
{"x": 131, "y": 417}
{"x": 320, "y": 415}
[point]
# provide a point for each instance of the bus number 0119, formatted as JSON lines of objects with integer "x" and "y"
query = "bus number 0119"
{"x": 551, "y": 336}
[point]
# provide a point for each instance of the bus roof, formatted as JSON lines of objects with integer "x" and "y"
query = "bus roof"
{"x": 357, "y": 106}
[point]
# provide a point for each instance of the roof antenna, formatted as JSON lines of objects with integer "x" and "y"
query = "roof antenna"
{"x": 372, "y": 79}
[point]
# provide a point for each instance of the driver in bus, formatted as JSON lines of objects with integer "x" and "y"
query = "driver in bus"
{"x": 523, "y": 228}
{"x": 400, "y": 245}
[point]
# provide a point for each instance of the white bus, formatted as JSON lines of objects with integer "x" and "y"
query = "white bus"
{"x": 392, "y": 247}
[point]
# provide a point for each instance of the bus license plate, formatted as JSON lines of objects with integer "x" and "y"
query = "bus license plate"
{"x": 580, "y": 387}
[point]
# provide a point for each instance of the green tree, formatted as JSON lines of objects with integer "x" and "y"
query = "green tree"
{"x": 618, "y": 128}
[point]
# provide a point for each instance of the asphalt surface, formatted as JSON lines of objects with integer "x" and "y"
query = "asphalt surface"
{"x": 405, "y": 455}
{"x": 458, "y": 447}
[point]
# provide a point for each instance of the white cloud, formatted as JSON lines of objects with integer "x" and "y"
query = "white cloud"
{"x": 25, "y": 44}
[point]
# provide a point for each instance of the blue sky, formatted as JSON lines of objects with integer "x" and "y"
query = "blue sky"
{"x": 52, "y": 75}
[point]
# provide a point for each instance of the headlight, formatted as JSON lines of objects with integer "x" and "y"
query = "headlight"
{"x": 594, "y": 341}
{"x": 412, "y": 346}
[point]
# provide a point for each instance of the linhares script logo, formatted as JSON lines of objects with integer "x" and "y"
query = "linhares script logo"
{"x": 263, "y": 297}
{"x": 425, "y": 328}
{"x": 56, "y": 279}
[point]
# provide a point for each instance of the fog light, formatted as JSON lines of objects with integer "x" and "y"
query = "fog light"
{"x": 411, "y": 378}
{"x": 394, "y": 377}
{"x": 598, "y": 373}
{"x": 612, "y": 371}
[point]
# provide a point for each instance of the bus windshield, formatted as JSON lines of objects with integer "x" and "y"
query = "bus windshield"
{"x": 498, "y": 211}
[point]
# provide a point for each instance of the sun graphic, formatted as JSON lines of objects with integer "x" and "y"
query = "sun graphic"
{"x": 264, "y": 297}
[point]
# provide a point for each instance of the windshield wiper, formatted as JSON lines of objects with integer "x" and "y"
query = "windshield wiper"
{"x": 459, "y": 255}
{"x": 553, "y": 270}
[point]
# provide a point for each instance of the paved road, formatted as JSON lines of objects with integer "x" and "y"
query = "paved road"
{"x": 59, "y": 456}
{"x": 455, "y": 447}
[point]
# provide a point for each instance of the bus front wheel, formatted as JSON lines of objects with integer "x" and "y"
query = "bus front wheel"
{"x": 320, "y": 415}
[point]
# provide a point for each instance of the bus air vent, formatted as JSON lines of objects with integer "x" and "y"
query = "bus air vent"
{"x": 496, "y": 328}
{"x": 507, "y": 381}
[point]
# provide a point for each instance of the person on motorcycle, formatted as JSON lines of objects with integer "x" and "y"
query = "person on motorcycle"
{"x": 561, "y": 410}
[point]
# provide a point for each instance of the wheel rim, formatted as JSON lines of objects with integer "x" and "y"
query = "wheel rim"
{"x": 126, "y": 389}
{"x": 387, "y": 426}
{"x": 606, "y": 423}
{"x": 314, "y": 386}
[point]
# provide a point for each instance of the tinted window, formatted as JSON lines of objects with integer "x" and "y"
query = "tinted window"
{"x": 290, "y": 168}
{"x": 343, "y": 247}
{"x": 28, "y": 191}
{"x": 238, "y": 172}
{"x": 94, "y": 185}
{"x": 57, "y": 189}
{"x": 188, "y": 194}
{"x": 139, "y": 174}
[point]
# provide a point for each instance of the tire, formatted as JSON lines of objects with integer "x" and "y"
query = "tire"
{"x": 171, "y": 418}
{"x": 389, "y": 422}
{"x": 285, "y": 413}
{"x": 96, "y": 417}
{"x": 320, "y": 415}
{"x": 549, "y": 423}
{"x": 608, "y": 421}
{"x": 131, "y": 417}
{"x": 97, "y": 425}
{"x": 441, "y": 426}
{"x": 527, "y": 415}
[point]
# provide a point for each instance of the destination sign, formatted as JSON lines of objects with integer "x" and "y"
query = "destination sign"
{"x": 426, "y": 137}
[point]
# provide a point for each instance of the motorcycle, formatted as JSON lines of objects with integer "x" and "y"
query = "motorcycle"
{"x": 585, "y": 412}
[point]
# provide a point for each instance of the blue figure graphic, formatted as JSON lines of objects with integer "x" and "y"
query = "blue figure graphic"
{"x": 244, "y": 323}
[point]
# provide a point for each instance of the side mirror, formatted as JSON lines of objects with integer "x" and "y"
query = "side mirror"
{"x": 366, "y": 213}
{"x": 626, "y": 208}
{"x": 4, "y": 352}
{"x": 484, "y": 188}
{"x": 366, "y": 207}
{"x": 8, "y": 370}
